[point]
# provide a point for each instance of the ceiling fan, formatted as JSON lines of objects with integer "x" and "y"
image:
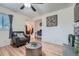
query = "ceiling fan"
{"x": 29, "y": 5}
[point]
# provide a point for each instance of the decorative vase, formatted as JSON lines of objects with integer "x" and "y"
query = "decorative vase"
{"x": 33, "y": 44}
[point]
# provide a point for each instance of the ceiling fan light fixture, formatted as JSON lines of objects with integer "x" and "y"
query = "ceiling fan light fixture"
{"x": 28, "y": 5}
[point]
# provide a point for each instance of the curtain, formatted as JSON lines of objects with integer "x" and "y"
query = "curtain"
{"x": 11, "y": 29}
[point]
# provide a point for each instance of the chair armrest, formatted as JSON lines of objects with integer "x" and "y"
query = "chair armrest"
{"x": 27, "y": 36}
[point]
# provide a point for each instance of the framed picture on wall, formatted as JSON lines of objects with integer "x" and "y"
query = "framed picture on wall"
{"x": 40, "y": 22}
{"x": 51, "y": 21}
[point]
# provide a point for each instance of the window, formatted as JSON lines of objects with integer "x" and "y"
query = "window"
{"x": 4, "y": 22}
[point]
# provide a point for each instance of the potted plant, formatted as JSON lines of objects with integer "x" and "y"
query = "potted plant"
{"x": 77, "y": 47}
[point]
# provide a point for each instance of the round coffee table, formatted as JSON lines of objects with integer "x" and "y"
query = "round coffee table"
{"x": 33, "y": 49}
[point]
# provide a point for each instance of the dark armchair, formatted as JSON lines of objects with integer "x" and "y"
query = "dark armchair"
{"x": 19, "y": 38}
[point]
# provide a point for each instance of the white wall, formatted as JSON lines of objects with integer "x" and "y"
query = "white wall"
{"x": 18, "y": 25}
{"x": 58, "y": 34}
{"x": 37, "y": 25}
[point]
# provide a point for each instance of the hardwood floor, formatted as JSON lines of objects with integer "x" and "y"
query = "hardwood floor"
{"x": 52, "y": 49}
{"x": 48, "y": 49}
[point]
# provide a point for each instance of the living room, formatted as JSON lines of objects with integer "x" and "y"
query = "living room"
{"x": 49, "y": 25}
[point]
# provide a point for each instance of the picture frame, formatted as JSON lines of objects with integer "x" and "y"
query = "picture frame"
{"x": 51, "y": 21}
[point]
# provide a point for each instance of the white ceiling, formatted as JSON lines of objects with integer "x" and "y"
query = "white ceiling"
{"x": 41, "y": 8}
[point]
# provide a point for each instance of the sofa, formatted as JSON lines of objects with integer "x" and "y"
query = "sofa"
{"x": 19, "y": 38}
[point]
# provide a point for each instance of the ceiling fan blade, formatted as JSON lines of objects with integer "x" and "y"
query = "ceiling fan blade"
{"x": 33, "y": 8}
{"x": 22, "y": 7}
